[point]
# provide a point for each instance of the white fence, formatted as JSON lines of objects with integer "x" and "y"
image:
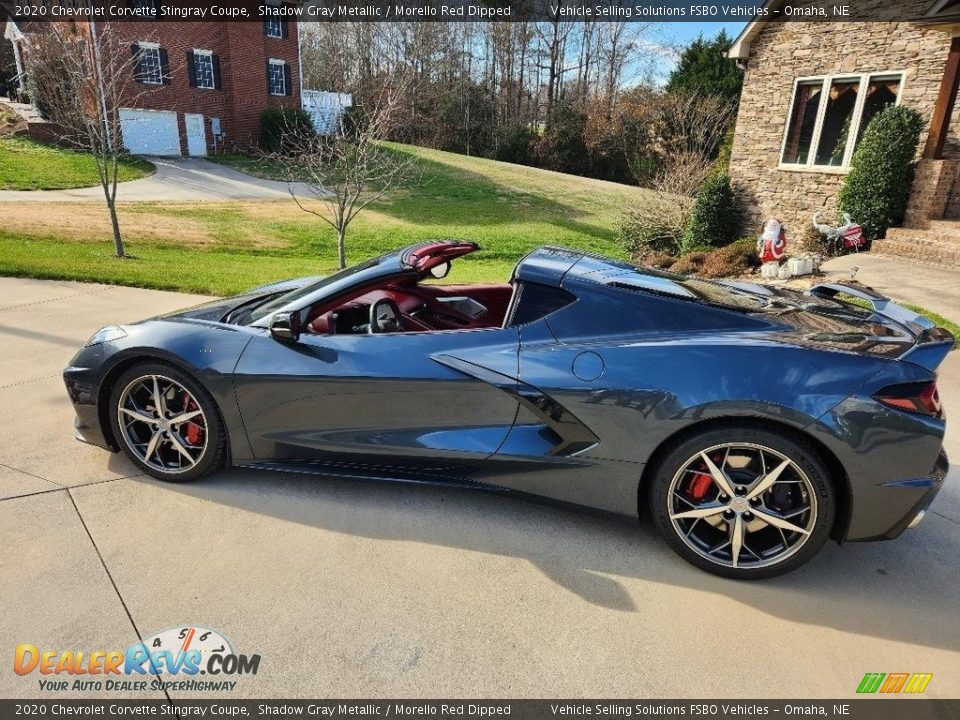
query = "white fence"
{"x": 325, "y": 108}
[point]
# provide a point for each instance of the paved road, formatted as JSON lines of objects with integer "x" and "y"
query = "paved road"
{"x": 176, "y": 180}
{"x": 362, "y": 589}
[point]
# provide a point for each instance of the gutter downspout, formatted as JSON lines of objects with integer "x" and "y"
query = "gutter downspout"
{"x": 300, "y": 64}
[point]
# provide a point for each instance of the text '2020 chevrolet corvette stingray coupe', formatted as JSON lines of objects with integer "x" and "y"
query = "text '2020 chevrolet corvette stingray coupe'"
{"x": 752, "y": 423}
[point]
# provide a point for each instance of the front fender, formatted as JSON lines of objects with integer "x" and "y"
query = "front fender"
{"x": 207, "y": 351}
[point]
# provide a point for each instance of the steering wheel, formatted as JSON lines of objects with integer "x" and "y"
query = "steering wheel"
{"x": 384, "y": 316}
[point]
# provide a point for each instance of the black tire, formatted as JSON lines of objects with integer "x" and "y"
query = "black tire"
{"x": 807, "y": 462}
{"x": 214, "y": 453}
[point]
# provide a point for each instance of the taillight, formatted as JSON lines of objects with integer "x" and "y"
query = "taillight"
{"x": 922, "y": 398}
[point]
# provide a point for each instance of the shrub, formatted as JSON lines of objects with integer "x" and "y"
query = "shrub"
{"x": 515, "y": 145}
{"x": 711, "y": 221}
{"x": 689, "y": 264}
{"x": 282, "y": 129}
{"x": 658, "y": 260}
{"x": 655, "y": 226}
{"x": 876, "y": 189}
{"x": 562, "y": 146}
{"x": 735, "y": 259}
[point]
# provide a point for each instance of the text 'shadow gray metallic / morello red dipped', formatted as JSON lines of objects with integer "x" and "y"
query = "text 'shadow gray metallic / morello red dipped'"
{"x": 753, "y": 423}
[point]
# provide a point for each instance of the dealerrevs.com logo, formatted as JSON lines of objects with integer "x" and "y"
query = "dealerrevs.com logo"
{"x": 893, "y": 683}
{"x": 196, "y": 657}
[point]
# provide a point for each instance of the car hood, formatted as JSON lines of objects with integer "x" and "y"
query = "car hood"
{"x": 217, "y": 310}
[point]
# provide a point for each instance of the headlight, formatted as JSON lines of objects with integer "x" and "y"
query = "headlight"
{"x": 111, "y": 332}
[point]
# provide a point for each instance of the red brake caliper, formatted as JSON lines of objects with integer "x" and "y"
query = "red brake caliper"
{"x": 194, "y": 431}
{"x": 699, "y": 485}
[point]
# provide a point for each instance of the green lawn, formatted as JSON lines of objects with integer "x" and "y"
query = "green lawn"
{"x": 224, "y": 247}
{"x": 28, "y": 165}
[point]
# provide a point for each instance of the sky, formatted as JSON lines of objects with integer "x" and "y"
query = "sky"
{"x": 682, "y": 33}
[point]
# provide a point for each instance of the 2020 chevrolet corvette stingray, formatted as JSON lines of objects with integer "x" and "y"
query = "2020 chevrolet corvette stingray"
{"x": 752, "y": 423}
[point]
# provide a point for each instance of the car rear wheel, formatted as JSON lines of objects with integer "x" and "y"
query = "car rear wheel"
{"x": 167, "y": 423}
{"x": 743, "y": 502}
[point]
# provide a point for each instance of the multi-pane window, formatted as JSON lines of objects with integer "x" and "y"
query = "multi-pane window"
{"x": 276, "y": 77}
{"x": 273, "y": 28}
{"x": 829, "y": 114}
{"x": 149, "y": 66}
{"x": 203, "y": 69}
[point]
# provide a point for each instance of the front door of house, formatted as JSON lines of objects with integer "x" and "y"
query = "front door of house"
{"x": 196, "y": 137}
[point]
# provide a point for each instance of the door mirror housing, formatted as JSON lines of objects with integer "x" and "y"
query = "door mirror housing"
{"x": 285, "y": 326}
{"x": 440, "y": 271}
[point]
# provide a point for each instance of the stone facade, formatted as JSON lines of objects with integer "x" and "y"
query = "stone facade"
{"x": 782, "y": 52}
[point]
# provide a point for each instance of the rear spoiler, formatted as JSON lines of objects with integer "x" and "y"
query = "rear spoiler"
{"x": 932, "y": 342}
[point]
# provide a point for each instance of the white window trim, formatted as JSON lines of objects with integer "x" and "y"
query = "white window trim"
{"x": 213, "y": 80}
{"x": 826, "y": 80}
{"x": 279, "y": 22}
{"x": 283, "y": 77}
{"x": 152, "y": 46}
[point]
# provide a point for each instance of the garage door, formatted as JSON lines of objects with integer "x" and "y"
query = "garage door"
{"x": 150, "y": 132}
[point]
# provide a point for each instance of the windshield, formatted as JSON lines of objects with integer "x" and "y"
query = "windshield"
{"x": 307, "y": 290}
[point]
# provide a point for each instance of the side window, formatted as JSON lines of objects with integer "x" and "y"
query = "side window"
{"x": 535, "y": 301}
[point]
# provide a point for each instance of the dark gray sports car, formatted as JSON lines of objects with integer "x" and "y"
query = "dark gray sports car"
{"x": 751, "y": 422}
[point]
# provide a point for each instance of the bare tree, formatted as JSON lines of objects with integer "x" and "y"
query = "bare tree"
{"x": 84, "y": 75}
{"x": 671, "y": 139}
{"x": 336, "y": 176}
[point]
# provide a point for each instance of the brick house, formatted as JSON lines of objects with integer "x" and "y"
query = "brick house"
{"x": 809, "y": 91}
{"x": 201, "y": 86}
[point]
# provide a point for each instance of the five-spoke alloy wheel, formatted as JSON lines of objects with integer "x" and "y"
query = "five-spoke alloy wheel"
{"x": 743, "y": 502}
{"x": 166, "y": 422}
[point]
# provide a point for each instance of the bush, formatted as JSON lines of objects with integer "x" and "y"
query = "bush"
{"x": 515, "y": 145}
{"x": 655, "y": 226}
{"x": 658, "y": 260}
{"x": 562, "y": 147}
{"x": 876, "y": 189}
{"x": 282, "y": 129}
{"x": 711, "y": 221}
{"x": 689, "y": 264}
{"x": 733, "y": 260}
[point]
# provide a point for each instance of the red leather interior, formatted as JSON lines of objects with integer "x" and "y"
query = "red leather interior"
{"x": 495, "y": 297}
{"x": 422, "y": 299}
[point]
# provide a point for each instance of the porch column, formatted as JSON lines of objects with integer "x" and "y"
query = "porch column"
{"x": 940, "y": 122}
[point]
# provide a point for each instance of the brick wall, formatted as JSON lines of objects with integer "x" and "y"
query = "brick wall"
{"x": 243, "y": 49}
{"x": 784, "y": 51}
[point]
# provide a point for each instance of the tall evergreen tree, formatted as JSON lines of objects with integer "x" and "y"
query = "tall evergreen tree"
{"x": 704, "y": 68}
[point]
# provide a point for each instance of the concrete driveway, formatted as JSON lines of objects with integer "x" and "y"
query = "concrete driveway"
{"x": 176, "y": 180}
{"x": 366, "y": 589}
{"x": 930, "y": 286}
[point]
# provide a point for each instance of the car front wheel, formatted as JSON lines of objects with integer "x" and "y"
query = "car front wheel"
{"x": 743, "y": 502}
{"x": 166, "y": 422}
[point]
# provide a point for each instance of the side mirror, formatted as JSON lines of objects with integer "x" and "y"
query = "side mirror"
{"x": 285, "y": 326}
{"x": 440, "y": 271}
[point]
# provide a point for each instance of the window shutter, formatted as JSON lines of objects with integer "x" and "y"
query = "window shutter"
{"x": 164, "y": 66}
{"x": 284, "y": 29}
{"x": 137, "y": 72}
{"x": 191, "y": 68}
{"x": 287, "y": 82}
{"x": 268, "y": 77}
{"x": 265, "y": 20}
{"x": 216, "y": 73}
